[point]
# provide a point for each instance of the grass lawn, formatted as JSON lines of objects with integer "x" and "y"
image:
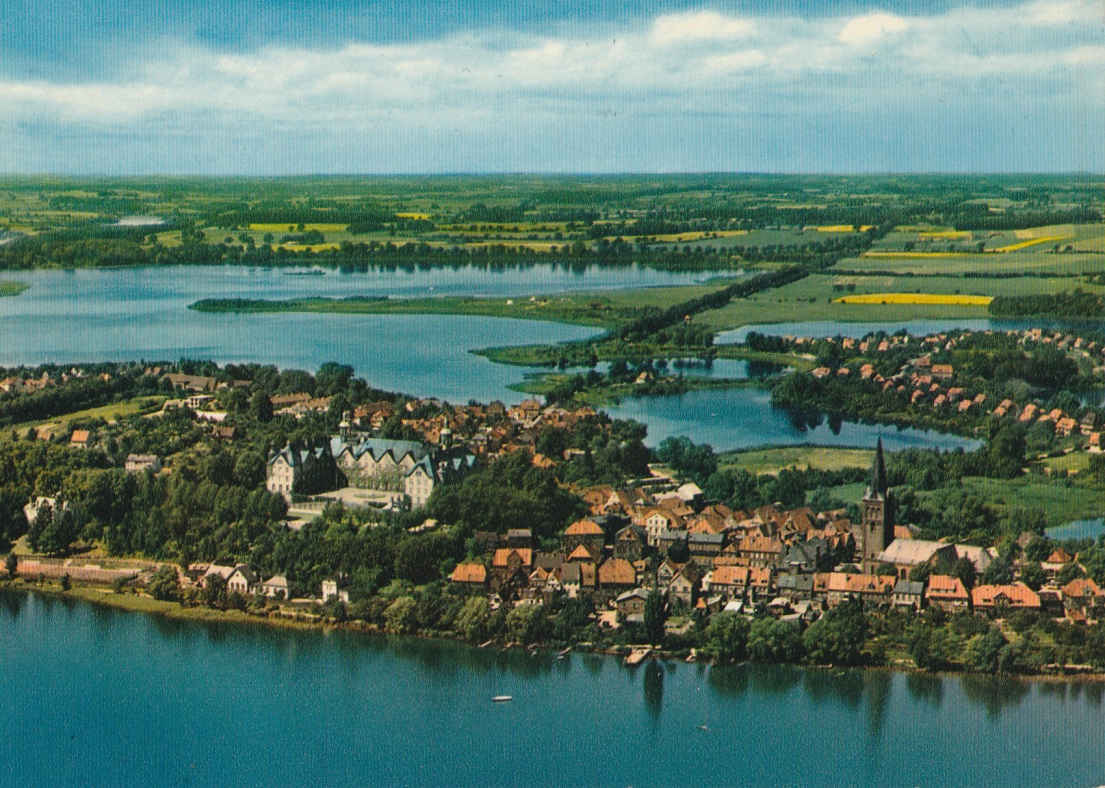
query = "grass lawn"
{"x": 109, "y": 413}
{"x": 773, "y": 460}
{"x": 1059, "y": 501}
{"x": 1076, "y": 462}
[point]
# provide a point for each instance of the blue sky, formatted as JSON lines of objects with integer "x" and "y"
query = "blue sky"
{"x": 294, "y": 86}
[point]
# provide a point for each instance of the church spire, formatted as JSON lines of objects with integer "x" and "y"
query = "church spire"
{"x": 878, "y": 471}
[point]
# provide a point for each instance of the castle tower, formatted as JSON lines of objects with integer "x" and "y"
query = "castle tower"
{"x": 876, "y": 513}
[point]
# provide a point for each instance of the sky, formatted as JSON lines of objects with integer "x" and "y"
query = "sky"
{"x": 275, "y": 87}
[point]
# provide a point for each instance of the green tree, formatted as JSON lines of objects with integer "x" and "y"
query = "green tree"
{"x": 1032, "y": 574}
{"x": 12, "y": 564}
{"x": 526, "y": 623}
{"x": 984, "y": 654}
{"x": 655, "y": 614}
{"x": 726, "y": 637}
{"x": 773, "y": 641}
{"x": 472, "y": 620}
{"x": 164, "y": 584}
{"x": 399, "y": 616}
{"x": 837, "y": 637}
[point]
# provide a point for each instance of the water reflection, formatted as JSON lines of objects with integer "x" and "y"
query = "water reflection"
{"x": 728, "y": 680}
{"x": 654, "y": 688}
{"x": 925, "y": 687}
{"x": 877, "y": 691}
{"x": 993, "y": 693}
{"x": 11, "y": 603}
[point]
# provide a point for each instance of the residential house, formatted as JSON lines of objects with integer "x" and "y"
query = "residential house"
{"x": 137, "y": 463}
{"x": 631, "y": 605}
{"x": 630, "y": 543}
{"x": 584, "y": 532}
{"x": 997, "y": 599}
{"x": 908, "y": 593}
{"x": 331, "y": 592}
{"x": 947, "y": 592}
{"x": 276, "y": 587}
{"x": 1085, "y": 596}
{"x": 80, "y": 439}
{"x": 617, "y": 574}
{"x": 469, "y": 575}
{"x": 241, "y": 581}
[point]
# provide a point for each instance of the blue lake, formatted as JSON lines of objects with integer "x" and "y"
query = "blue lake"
{"x": 744, "y": 417}
{"x": 141, "y": 313}
{"x": 94, "y": 696}
{"x": 1078, "y": 529}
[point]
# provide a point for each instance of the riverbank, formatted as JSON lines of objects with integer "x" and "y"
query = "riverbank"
{"x": 136, "y": 602}
{"x": 547, "y": 383}
{"x": 8, "y": 288}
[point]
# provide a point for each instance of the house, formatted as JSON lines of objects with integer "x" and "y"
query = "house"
{"x": 216, "y": 571}
{"x": 630, "y": 543}
{"x": 946, "y": 592}
{"x": 137, "y": 463}
{"x": 617, "y": 574}
{"x": 585, "y": 532}
{"x": 996, "y": 599}
{"x": 705, "y": 545}
{"x": 519, "y": 537}
{"x": 760, "y": 550}
{"x": 631, "y": 605}
{"x": 1056, "y": 561}
{"x": 330, "y": 592}
{"x": 908, "y": 593}
{"x": 906, "y": 554}
{"x": 241, "y": 581}
{"x": 469, "y": 575}
{"x": 80, "y": 439}
{"x": 198, "y": 383}
{"x": 836, "y": 587}
{"x": 276, "y": 587}
{"x": 728, "y": 581}
{"x": 684, "y": 584}
{"x": 656, "y": 521}
{"x": 1085, "y": 596}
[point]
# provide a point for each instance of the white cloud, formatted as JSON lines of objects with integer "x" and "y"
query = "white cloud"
{"x": 701, "y": 59}
{"x": 699, "y": 26}
{"x": 871, "y": 28}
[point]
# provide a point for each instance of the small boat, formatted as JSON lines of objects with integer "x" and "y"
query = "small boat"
{"x": 703, "y": 727}
{"x": 564, "y": 653}
{"x": 486, "y": 643}
{"x": 502, "y": 699}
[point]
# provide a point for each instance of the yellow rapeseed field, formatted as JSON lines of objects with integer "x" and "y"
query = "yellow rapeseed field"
{"x": 413, "y": 215}
{"x": 943, "y": 299}
{"x": 1032, "y": 242}
{"x": 947, "y": 234}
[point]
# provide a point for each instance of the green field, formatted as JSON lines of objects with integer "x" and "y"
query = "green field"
{"x": 825, "y": 458}
{"x": 1059, "y": 502}
{"x": 109, "y": 413}
{"x": 812, "y": 298}
{"x": 1025, "y": 262}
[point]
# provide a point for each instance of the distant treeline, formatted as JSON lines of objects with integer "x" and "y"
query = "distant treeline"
{"x": 1077, "y": 304}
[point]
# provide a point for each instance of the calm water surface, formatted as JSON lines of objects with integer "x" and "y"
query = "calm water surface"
{"x": 744, "y": 417}
{"x": 94, "y": 696}
{"x": 141, "y": 313}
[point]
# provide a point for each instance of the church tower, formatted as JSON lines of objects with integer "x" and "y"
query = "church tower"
{"x": 876, "y": 513}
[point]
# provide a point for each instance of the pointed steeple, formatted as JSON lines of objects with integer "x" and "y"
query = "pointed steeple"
{"x": 878, "y": 471}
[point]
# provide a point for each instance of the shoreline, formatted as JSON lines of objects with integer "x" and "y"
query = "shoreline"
{"x": 140, "y": 603}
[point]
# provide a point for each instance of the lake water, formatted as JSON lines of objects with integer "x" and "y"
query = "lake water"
{"x": 743, "y": 418}
{"x": 94, "y": 696}
{"x": 1078, "y": 529}
{"x": 141, "y": 313}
